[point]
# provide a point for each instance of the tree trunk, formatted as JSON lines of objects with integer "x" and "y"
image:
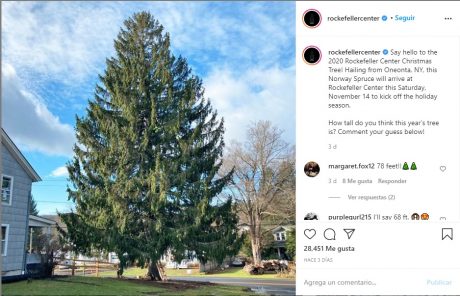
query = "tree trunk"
{"x": 202, "y": 267}
{"x": 255, "y": 243}
{"x": 154, "y": 273}
{"x": 256, "y": 254}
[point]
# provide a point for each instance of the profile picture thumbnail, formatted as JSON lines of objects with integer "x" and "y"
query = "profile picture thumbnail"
{"x": 312, "y": 18}
{"x": 311, "y": 169}
{"x": 311, "y": 216}
{"x": 312, "y": 55}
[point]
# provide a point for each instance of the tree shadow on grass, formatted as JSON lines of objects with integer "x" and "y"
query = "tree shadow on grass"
{"x": 67, "y": 279}
{"x": 172, "y": 285}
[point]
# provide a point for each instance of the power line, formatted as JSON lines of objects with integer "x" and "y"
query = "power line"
{"x": 44, "y": 185}
{"x": 51, "y": 201}
{"x": 54, "y": 180}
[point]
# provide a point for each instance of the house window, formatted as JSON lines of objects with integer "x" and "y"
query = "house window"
{"x": 4, "y": 238}
{"x": 280, "y": 236}
{"x": 7, "y": 189}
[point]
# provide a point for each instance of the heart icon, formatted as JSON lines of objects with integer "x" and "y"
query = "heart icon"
{"x": 309, "y": 233}
{"x": 442, "y": 168}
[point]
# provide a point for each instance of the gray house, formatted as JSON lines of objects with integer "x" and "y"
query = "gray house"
{"x": 280, "y": 235}
{"x": 17, "y": 177}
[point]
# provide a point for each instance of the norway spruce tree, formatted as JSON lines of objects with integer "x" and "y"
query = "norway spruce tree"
{"x": 144, "y": 175}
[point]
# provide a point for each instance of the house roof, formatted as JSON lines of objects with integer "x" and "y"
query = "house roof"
{"x": 13, "y": 149}
{"x": 37, "y": 221}
{"x": 56, "y": 219}
{"x": 282, "y": 228}
{"x": 269, "y": 227}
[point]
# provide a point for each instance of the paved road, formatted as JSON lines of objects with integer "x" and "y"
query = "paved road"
{"x": 263, "y": 286}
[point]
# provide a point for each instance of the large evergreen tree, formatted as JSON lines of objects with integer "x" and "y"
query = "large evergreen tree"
{"x": 144, "y": 173}
{"x": 32, "y": 206}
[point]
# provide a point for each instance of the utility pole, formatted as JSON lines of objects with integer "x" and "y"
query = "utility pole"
{"x": 30, "y": 242}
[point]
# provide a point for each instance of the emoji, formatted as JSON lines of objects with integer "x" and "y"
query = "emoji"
{"x": 415, "y": 216}
{"x": 425, "y": 216}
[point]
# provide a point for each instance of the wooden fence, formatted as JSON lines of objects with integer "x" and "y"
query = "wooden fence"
{"x": 82, "y": 267}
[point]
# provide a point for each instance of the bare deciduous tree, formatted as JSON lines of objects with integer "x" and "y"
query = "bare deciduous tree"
{"x": 264, "y": 180}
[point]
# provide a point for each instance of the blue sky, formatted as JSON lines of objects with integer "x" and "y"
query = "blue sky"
{"x": 52, "y": 53}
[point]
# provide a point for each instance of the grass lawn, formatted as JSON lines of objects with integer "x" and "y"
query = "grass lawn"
{"x": 75, "y": 286}
{"x": 235, "y": 272}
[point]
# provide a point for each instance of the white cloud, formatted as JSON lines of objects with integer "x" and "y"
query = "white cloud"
{"x": 29, "y": 122}
{"x": 68, "y": 41}
{"x": 63, "y": 41}
{"x": 258, "y": 94}
{"x": 60, "y": 172}
{"x": 240, "y": 35}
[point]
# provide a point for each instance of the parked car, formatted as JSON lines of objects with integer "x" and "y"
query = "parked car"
{"x": 184, "y": 264}
{"x": 172, "y": 264}
{"x": 238, "y": 262}
{"x": 64, "y": 264}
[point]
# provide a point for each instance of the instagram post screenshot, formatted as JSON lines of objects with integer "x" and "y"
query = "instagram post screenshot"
{"x": 230, "y": 148}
